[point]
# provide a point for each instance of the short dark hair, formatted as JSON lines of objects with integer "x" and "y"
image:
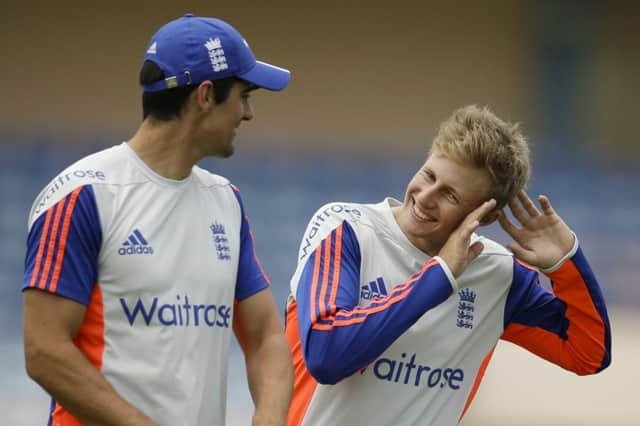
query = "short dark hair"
{"x": 168, "y": 104}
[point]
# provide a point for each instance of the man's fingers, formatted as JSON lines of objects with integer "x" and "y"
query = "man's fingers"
{"x": 507, "y": 225}
{"x": 482, "y": 210}
{"x": 528, "y": 204}
{"x": 546, "y": 205}
{"x": 517, "y": 211}
{"x": 472, "y": 221}
{"x": 469, "y": 228}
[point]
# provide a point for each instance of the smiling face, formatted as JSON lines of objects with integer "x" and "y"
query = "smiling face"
{"x": 224, "y": 118}
{"x": 475, "y": 156}
{"x": 441, "y": 194}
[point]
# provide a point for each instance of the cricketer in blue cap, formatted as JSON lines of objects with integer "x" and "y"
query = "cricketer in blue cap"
{"x": 193, "y": 49}
{"x": 148, "y": 231}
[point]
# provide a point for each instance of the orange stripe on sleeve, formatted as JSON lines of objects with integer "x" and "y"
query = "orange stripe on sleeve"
{"x": 584, "y": 348}
{"x": 368, "y": 311}
{"x": 586, "y": 328}
{"x": 43, "y": 240}
{"x": 51, "y": 244}
{"x": 397, "y": 294}
{"x": 336, "y": 271}
{"x": 314, "y": 283}
{"x": 325, "y": 278}
{"x": 526, "y": 265}
{"x": 255, "y": 256}
{"x": 63, "y": 239}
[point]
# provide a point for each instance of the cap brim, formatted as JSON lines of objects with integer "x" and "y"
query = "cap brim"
{"x": 267, "y": 76}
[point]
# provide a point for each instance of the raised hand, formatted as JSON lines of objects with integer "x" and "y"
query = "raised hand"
{"x": 543, "y": 238}
{"x": 457, "y": 252}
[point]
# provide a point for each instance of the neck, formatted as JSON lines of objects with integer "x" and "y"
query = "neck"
{"x": 424, "y": 245}
{"x": 167, "y": 148}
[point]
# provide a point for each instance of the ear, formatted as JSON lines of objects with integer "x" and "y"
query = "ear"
{"x": 490, "y": 217}
{"x": 204, "y": 96}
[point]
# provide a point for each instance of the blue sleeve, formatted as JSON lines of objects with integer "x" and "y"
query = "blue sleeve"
{"x": 569, "y": 327}
{"x": 251, "y": 277}
{"x": 63, "y": 247}
{"x": 338, "y": 336}
{"x": 530, "y": 304}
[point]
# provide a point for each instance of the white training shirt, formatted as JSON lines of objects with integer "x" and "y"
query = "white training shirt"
{"x": 382, "y": 334}
{"x": 159, "y": 265}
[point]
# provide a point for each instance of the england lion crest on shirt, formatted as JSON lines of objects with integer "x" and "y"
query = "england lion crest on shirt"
{"x": 220, "y": 241}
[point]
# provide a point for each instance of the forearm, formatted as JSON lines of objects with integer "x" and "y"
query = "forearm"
{"x": 270, "y": 380}
{"x": 589, "y": 332}
{"x": 75, "y": 384}
{"x": 568, "y": 327}
{"x": 337, "y": 345}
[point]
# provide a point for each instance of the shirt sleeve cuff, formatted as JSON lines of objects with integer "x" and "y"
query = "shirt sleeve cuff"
{"x": 564, "y": 258}
{"x": 447, "y": 272}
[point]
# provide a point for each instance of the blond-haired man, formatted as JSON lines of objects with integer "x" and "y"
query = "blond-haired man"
{"x": 396, "y": 307}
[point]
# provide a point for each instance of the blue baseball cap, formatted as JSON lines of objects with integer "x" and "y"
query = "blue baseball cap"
{"x": 193, "y": 49}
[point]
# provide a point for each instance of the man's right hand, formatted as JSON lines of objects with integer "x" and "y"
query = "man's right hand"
{"x": 457, "y": 252}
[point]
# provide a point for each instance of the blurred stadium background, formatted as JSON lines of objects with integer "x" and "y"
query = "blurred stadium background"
{"x": 371, "y": 82}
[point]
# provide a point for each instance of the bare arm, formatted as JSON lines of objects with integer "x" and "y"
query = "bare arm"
{"x": 269, "y": 367}
{"x": 55, "y": 363}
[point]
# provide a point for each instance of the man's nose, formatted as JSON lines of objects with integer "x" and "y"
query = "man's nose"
{"x": 248, "y": 112}
{"x": 428, "y": 196}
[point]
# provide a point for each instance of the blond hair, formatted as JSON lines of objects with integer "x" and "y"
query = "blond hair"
{"x": 477, "y": 137}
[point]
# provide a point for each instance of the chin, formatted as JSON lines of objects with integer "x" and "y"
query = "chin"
{"x": 225, "y": 152}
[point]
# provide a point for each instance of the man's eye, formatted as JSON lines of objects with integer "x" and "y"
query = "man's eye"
{"x": 450, "y": 197}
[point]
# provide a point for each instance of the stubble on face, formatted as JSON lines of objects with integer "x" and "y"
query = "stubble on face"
{"x": 226, "y": 118}
{"x": 239, "y": 110}
{"x": 227, "y": 148}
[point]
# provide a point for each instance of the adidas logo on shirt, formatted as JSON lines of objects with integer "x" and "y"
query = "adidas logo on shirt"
{"x": 135, "y": 244}
{"x": 373, "y": 289}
